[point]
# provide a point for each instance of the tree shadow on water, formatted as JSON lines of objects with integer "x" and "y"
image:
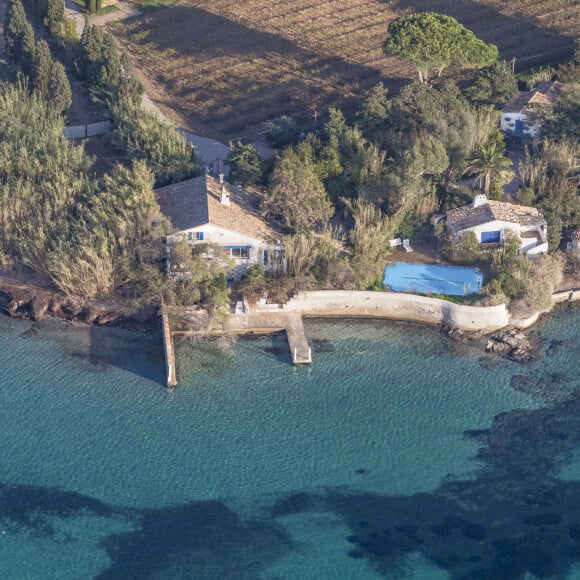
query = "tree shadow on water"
{"x": 513, "y": 518}
{"x": 201, "y": 540}
{"x": 139, "y": 353}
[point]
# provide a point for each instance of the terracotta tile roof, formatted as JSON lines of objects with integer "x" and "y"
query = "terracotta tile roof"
{"x": 546, "y": 93}
{"x": 516, "y": 104}
{"x": 197, "y": 202}
{"x": 468, "y": 216}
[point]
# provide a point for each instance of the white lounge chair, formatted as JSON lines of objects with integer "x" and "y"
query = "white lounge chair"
{"x": 407, "y": 246}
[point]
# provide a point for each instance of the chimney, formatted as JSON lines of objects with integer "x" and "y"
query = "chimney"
{"x": 221, "y": 177}
{"x": 225, "y": 199}
{"x": 479, "y": 200}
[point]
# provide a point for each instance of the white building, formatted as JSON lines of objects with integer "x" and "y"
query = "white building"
{"x": 494, "y": 221}
{"x": 204, "y": 210}
{"x": 521, "y": 117}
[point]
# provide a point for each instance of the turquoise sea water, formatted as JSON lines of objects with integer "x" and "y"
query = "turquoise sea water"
{"x": 397, "y": 454}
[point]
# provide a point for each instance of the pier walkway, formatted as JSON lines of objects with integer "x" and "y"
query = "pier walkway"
{"x": 291, "y": 322}
{"x": 168, "y": 347}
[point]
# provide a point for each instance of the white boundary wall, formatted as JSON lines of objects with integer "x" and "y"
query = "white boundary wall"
{"x": 89, "y": 130}
{"x": 394, "y": 305}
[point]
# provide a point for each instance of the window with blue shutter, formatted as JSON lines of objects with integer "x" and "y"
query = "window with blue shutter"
{"x": 490, "y": 237}
{"x": 239, "y": 251}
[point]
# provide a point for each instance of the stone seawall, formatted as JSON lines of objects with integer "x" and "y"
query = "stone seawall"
{"x": 397, "y": 306}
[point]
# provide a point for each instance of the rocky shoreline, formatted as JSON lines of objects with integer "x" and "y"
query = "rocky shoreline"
{"x": 30, "y": 302}
{"x": 33, "y": 302}
{"x": 511, "y": 344}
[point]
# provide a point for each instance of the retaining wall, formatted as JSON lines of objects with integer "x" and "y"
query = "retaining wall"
{"x": 394, "y": 305}
{"x": 566, "y": 296}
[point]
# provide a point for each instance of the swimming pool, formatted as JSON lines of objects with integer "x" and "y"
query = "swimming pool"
{"x": 433, "y": 279}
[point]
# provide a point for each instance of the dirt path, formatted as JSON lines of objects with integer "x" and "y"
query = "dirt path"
{"x": 512, "y": 186}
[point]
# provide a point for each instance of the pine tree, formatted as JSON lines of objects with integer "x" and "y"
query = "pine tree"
{"x": 245, "y": 164}
{"x": 296, "y": 195}
{"x": 41, "y": 71}
{"x": 59, "y": 92}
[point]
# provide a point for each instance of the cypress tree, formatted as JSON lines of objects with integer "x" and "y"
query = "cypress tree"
{"x": 59, "y": 93}
{"x": 27, "y": 49}
{"x": 54, "y": 16}
{"x": 41, "y": 72}
{"x": 18, "y": 34}
{"x": 90, "y": 60}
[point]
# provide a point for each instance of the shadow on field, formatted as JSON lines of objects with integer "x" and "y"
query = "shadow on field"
{"x": 520, "y": 37}
{"x": 243, "y": 73}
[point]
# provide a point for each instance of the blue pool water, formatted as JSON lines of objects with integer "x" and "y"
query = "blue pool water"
{"x": 433, "y": 279}
{"x": 398, "y": 454}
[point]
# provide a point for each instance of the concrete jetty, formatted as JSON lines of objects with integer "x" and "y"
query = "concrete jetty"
{"x": 270, "y": 318}
{"x": 291, "y": 322}
{"x": 168, "y": 348}
{"x": 299, "y": 347}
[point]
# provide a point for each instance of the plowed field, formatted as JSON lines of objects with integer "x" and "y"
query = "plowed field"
{"x": 222, "y": 66}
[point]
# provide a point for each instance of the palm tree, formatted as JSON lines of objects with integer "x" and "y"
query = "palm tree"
{"x": 489, "y": 163}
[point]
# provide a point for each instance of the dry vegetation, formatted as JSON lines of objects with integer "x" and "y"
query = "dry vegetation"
{"x": 223, "y": 66}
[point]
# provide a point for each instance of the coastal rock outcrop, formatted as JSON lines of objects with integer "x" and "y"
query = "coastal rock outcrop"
{"x": 38, "y": 307}
{"x": 29, "y": 302}
{"x": 462, "y": 336}
{"x": 514, "y": 345}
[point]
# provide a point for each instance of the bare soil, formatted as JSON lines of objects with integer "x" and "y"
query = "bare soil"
{"x": 222, "y": 67}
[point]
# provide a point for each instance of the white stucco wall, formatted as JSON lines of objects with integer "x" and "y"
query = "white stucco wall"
{"x": 530, "y": 130}
{"x": 494, "y": 227}
{"x": 537, "y": 250}
{"x": 528, "y": 245}
{"x": 397, "y": 306}
{"x": 222, "y": 237}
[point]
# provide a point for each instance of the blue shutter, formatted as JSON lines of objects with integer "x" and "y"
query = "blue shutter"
{"x": 201, "y": 235}
{"x": 490, "y": 237}
{"x": 265, "y": 257}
